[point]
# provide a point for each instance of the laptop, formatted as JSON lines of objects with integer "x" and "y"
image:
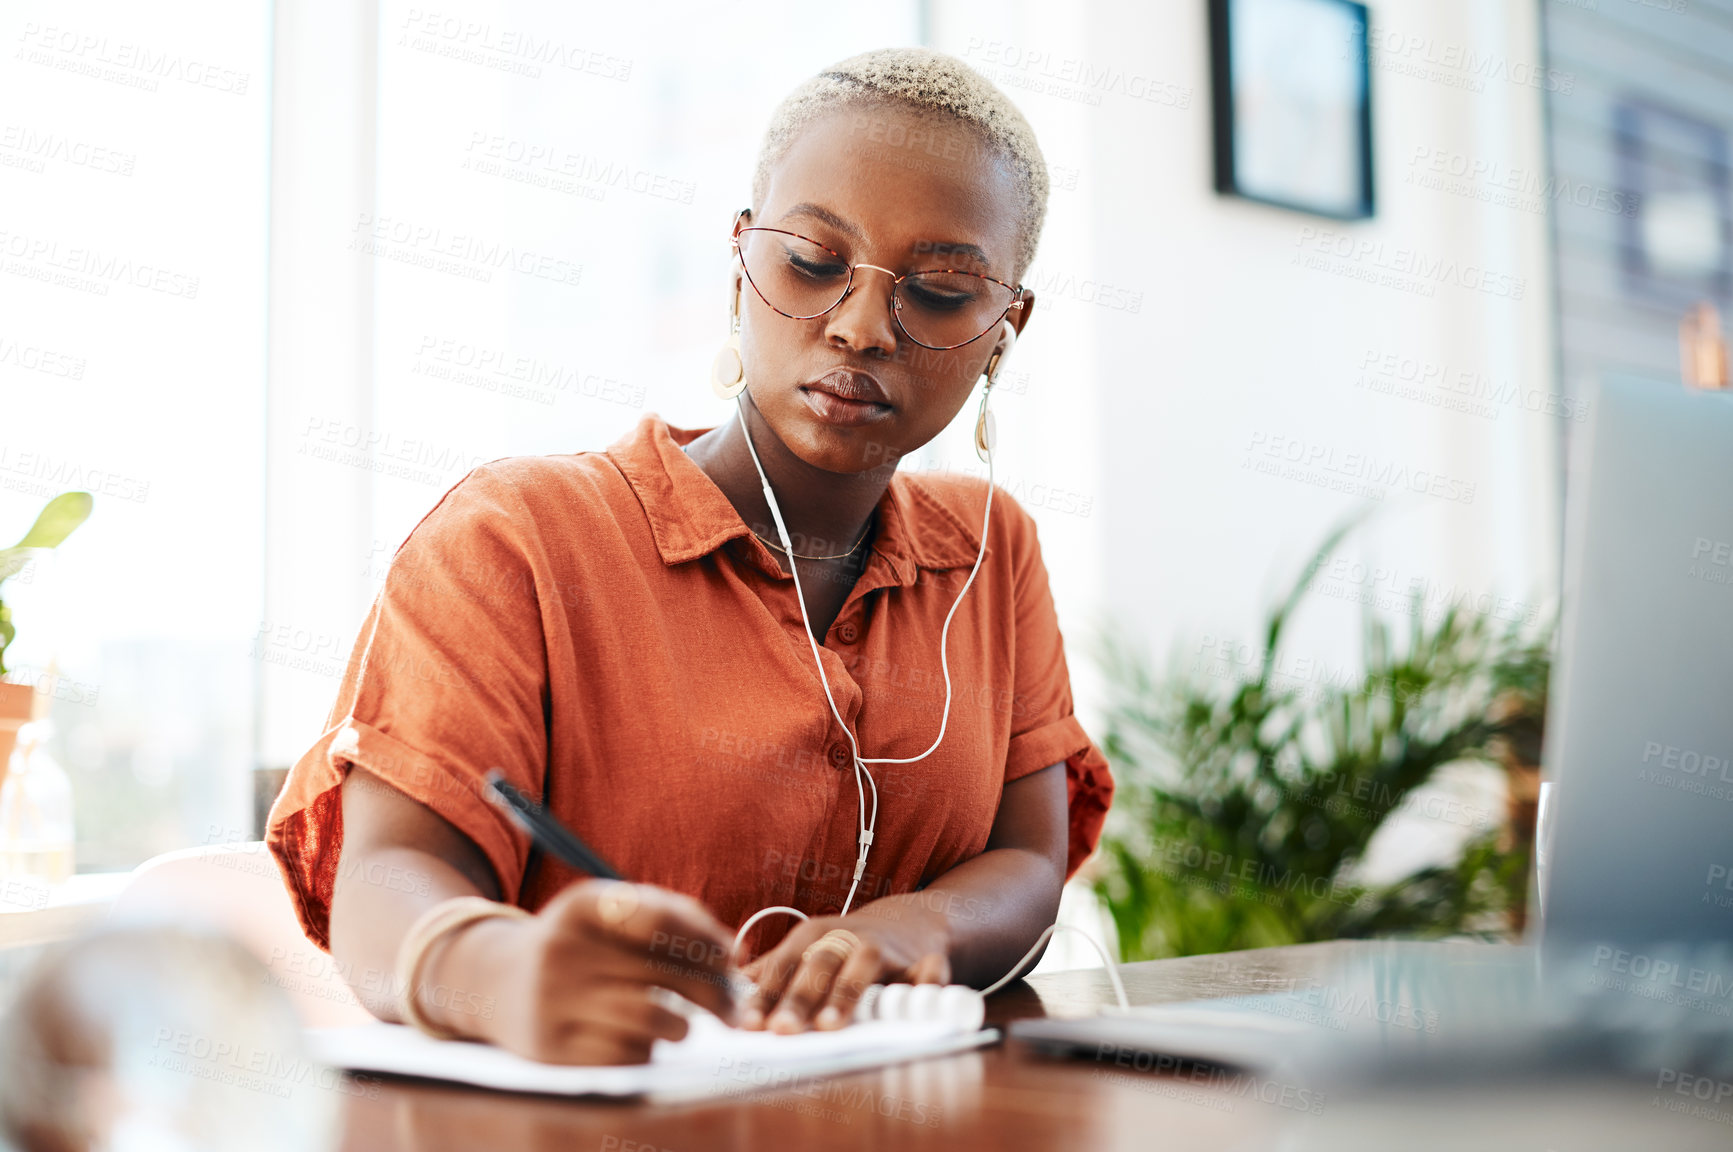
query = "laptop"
{"x": 1628, "y": 967}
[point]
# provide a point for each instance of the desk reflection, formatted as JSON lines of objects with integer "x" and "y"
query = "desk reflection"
{"x": 920, "y": 1104}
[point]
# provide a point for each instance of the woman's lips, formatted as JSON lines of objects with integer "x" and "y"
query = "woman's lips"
{"x": 833, "y": 409}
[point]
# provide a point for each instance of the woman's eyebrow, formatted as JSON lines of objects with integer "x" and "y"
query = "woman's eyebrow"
{"x": 954, "y": 248}
{"x": 943, "y": 248}
{"x": 825, "y": 215}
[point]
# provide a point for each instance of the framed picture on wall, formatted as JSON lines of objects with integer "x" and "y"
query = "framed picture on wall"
{"x": 1676, "y": 238}
{"x": 1292, "y": 91}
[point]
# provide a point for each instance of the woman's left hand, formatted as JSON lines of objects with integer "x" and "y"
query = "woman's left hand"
{"x": 816, "y": 974}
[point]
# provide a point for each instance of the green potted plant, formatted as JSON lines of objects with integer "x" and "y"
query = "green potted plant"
{"x": 56, "y": 522}
{"x": 1248, "y": 797}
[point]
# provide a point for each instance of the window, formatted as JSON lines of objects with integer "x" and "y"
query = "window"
{"x": 133, "y": 175}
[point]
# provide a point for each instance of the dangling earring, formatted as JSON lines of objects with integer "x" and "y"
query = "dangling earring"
{"x": 984, "y": 434}
{"x": 728, "y": 371}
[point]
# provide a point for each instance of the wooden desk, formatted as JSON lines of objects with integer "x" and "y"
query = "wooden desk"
{"x": 1005, "y": 1097}
{"x": 1001, "y": 1097}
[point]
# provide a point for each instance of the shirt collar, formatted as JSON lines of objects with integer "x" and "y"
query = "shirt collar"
{"x": 690, "y": 517}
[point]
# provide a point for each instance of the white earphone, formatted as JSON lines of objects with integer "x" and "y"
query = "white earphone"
{"x": 869, "y": 819}
{"x": 961, "y": 1006}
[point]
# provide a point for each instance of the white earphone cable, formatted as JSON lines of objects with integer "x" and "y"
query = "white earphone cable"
{"x": 1107, "y": 961}
{"x": 867, "y": 820}
{"x": 868, "y": 826}
{"x": 761, "y": 914}
{"x": 1047, "y": 934}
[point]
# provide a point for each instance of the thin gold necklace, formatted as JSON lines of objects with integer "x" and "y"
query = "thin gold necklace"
{"x": 838, "y": 556}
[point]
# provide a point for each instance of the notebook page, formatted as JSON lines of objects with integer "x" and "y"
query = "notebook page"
{"x": 713, "y": 1059}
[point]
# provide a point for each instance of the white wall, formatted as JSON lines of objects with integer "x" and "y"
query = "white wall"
{"x": 1235, "y": 344}
{"x": 1252, "y": 334}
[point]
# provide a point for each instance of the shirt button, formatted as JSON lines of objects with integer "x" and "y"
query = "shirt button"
{"x": 848, "y": 633}
{"x": 840, "y": 757}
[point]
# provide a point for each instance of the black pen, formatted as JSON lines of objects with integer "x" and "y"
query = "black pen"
{"x": 549, "y": 834}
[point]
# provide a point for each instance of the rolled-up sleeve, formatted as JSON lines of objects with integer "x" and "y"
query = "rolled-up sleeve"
{"x": 1044, "y": 730}
{"x": 447, "y": 680}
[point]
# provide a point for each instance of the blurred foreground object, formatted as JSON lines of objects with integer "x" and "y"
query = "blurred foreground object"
{"x": 162, "y": 1039}
{"x": 1702, "y": 348}
{"x": 234, "y": 889}
{"x": 1249, "y": 796}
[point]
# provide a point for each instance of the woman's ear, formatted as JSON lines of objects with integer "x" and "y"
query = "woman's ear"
{"x": 1018, "y": 317}
{"x": 1001, "y": 348}
{"x": 742, "y": 219}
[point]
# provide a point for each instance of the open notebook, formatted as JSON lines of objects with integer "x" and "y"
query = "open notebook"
{"x": 713, "y": 1059}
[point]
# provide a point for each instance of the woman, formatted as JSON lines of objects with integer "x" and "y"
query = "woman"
{"x": 620, "y": 635}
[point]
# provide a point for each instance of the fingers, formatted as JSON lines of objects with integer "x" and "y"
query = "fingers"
{"x": 619, "y": 1024}
{"x": 658, "y": 937}
{"x": 809, "y": 986}
{"x": 865, "y": 968}
{"x": 933, "y": 968}
{"x": 593, "y": 1046}
{"x": 858, "y": 973}
{"x": 630, "y": 1010}
{"x": 658, "y": 919}
{"x": 833, "y": 973}
{"x": 772, "y": 971}
{"x": 706, "y": 987}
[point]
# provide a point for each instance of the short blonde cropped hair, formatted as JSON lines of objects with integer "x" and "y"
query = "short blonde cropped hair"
{"x": 926, "y": 81}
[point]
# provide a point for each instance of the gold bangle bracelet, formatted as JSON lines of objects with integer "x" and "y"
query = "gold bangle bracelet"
{"x": 438, "y": 921}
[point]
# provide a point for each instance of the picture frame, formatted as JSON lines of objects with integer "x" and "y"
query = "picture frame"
{"x": 1676, "y": 242}
{"x": 1291, "y": 94}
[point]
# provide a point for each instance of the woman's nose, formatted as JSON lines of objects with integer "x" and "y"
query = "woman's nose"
{"x": 863, "y": 320}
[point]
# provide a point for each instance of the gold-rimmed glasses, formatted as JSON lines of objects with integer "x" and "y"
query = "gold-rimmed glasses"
{"x": 937, "y": 308}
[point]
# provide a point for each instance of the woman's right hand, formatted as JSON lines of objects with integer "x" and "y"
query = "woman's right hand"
{"x": 578, "y": 982}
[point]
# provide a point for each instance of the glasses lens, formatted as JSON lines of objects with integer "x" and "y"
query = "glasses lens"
{"x": 795, "y": 276}
{"x": 944, "y": 309}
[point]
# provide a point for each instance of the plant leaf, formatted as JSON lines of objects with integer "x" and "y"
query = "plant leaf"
{"x": 7, "y": 632}
{"x": 56, "y": 522}
{"x": 1245, "y": 806}
{"x": 1279, "y": 618}
{"x": 12, "y": 562}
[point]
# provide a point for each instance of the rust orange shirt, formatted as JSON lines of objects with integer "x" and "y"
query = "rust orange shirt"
{"x": 604, "y": 628}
